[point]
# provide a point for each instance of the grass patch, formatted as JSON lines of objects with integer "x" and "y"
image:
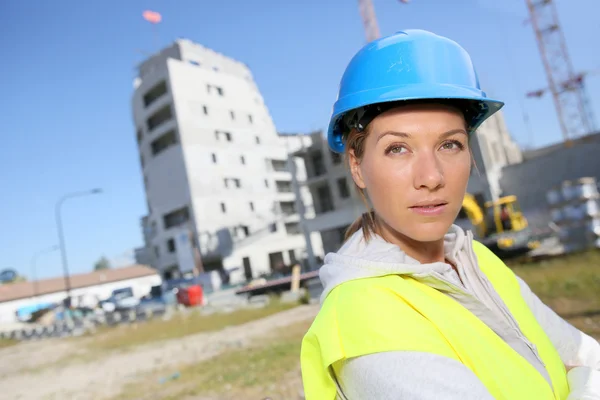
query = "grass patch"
{"x": 269, "y": 368}
{"x": 7, "y": 343}
{"x": 180, "y": 325}
{"x": 569, "y": 284}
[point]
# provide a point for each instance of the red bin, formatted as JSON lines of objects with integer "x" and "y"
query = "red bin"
{"x": 190, "y": 296}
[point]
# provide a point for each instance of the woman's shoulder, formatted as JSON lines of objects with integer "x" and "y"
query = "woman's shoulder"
{"x": 368, "y": 304}
{"x": 370, "y": 315}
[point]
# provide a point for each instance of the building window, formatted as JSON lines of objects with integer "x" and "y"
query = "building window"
{"x": 266, "y": 183}
{"x": 157, "y": 251}
{"x": 292, "y": 228}
{"x": 250, "y": 119}
{"x": 218, "y": 89}
{"x": 139, "y": 135}
{"x": 155, "y": 93}
{"x": 279, "y": 165}
{"x": 342, "y": 185}
{"x": 243, "y": 231}
{"x": 223, "y": 208}
{"x": 318, "y": 164}
{"x": 214, "y": 158}
{"x": 205, "y": 109}
{"x": 292, "y": 255}
{"x": 257, "y": 140}
{"x": 196, "y": 63}
{"x": 252, "y": 206}
{"x": 283, "y": 186}
{"x": 142, "y": 160}
{"x": 287, "y": 207}
{"x": 176, "y": 217}
{"x": 224, "y": 135}
{"x": 216, "y": 69}
{"x": 160, "y": 117}
{"x": 242, "y": 160}
{"x": 232, "y": 183}
{"x": 324, "y": 199}
{"x": 335, "y": 157}
{"x": 232, "y": 114}
{"x": 163, "y": 142}
{"x": 171, "y": 245}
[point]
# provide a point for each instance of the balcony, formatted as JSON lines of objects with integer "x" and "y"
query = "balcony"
{"x": 155, "y": 93}
{"x": 164, "y": 142}
{"x": 159, "y": 117}
{"x": 284, "y": 187}
{"x": 176, "y": 217}
{"x": 287, "y": 208}
{"x": 279, "y": 166}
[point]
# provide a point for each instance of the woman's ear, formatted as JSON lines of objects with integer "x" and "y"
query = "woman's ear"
{"x": 355, "y": 169}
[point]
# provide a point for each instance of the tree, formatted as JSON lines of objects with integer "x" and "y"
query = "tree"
{"x": 102, "y": 264}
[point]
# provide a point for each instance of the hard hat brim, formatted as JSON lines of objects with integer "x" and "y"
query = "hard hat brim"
{"x": 484, "y": 106}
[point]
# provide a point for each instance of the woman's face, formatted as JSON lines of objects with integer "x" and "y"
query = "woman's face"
{"x": 415, "y": 168}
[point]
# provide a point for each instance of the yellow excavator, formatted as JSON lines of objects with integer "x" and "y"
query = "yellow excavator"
{"x": 500, "y": 225}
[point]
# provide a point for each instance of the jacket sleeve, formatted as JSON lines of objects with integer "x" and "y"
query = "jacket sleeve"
{"x": 579, "y": 352}
{"x": 408, "y": 375}
{"x": 576, "y": 349}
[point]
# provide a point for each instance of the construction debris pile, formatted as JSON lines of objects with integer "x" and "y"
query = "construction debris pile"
{"x": 575, "y": 209}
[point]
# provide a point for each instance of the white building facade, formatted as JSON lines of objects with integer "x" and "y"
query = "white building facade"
{"x": 493, "y": 149}
{"x": 215, "y": 170}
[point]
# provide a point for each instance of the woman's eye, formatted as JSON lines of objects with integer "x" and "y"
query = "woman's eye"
{"x": 452, "y": 145}
{"x": 396, "y": 149}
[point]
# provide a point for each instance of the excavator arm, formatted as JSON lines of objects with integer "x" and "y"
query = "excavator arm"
{"x": 475, "y": 214}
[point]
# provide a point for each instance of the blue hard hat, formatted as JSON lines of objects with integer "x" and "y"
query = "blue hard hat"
{"x": 412, "y": 65}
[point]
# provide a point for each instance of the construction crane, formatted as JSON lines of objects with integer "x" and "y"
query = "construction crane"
{"x": 567, "y": 87}
{"x": 367, "y": 14}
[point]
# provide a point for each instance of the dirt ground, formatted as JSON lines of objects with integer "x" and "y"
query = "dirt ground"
{"x": 60, "y": 369}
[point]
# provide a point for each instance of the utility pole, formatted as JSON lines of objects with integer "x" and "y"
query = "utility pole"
{"x": 299, "y": 202}
{"x": 61, "y": 238}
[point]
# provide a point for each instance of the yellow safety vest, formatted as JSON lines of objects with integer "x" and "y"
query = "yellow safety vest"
{"x": 398, "y": 313}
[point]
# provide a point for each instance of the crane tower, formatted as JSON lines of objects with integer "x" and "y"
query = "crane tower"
{"x": 566, "y": 86}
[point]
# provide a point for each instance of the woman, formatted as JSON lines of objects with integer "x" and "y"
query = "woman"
{"x": 412, "y": 307}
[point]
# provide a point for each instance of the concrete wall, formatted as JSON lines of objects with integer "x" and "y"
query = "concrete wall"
{"x": 141, "y": 287}
{"x": 532, "y": 179}
{"x": 259, "y": 251}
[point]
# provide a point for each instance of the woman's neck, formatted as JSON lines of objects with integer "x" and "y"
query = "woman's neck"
{"x": 423, "y": 252}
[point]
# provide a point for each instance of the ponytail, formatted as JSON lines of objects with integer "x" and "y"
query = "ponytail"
{"x": 366, "y": 222}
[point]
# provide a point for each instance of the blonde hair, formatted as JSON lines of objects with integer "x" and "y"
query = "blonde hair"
{"x": 356, "y": 141}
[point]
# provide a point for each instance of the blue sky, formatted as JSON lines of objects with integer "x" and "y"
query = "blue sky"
{"x": 67, "y": 71}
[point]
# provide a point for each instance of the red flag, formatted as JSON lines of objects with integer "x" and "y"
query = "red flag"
{"x": 152, "y": 16}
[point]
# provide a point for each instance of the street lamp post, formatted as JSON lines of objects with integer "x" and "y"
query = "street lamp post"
{"x": 33, "y": 268}
{"x": 61, "y": 238}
